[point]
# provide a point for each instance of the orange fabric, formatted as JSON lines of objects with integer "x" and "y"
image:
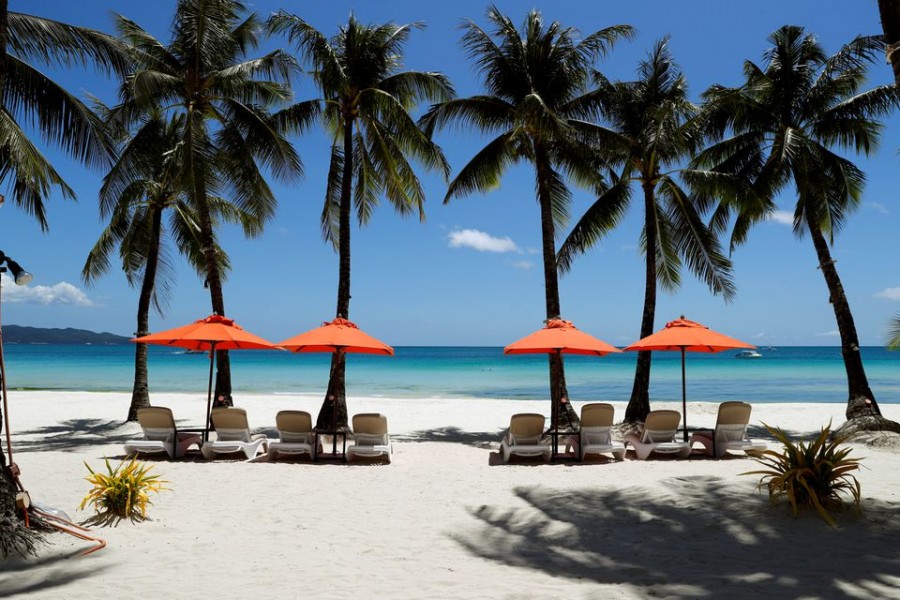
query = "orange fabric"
{"x": 689, "y": 336}
{"x": 203, "y": 334}
{"x": 560, "y": 336}
{"x": 339, "y": 334}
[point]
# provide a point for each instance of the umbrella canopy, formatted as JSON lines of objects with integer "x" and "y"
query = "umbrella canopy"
{"x": 215, "y": 332}
{"x": 339, "y": 335}
{"x": 561, "y": 337}
{"x": 687, "y": 336}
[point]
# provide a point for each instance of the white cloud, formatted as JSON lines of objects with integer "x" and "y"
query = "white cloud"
{"x": 61, "y": 293}
{"x": 781, "y": 216}
{"x": 832, "y": 333}
{"x": 879, "y": 207}
{"x": 889, "y": 294}
{"x": 524, "y": 265}
{"x": 760, "y": 335}
{"x": 481, "y": 241}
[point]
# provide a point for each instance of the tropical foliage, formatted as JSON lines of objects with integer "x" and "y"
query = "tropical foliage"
{"x": 787, "y": 123}
{"x": 537, "y": 108}
{"x": 365, "y": 107}
{"x": 650, "y": 131}
{"x": 815, "y": 473}
{"x": 122, "y": 492}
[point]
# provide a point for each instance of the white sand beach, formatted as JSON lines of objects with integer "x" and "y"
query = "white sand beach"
{"x": 445, "y": 519}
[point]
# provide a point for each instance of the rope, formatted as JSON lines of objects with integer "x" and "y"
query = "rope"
{"x": 70, "y": 528}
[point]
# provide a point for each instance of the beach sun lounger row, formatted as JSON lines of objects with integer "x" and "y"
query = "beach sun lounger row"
{"x": 370, "y": 438}
{"x": 527, "y": 437}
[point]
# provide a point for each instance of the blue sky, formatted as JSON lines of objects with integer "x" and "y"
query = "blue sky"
{"x": 471, "y": 274}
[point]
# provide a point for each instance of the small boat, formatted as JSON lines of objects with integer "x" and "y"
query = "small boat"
{"x": 748, "y": 354}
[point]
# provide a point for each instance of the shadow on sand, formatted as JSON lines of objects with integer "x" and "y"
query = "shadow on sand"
{"x": 706, "y": 537}
{"x": 20, "y": 576}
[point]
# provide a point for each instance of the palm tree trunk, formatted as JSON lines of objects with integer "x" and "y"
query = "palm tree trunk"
{"x": 639, "y": 405}
{"x": 889, "y": 10}
{"x": 861, "y": 402}
{"x": 333, "y": 414}
{"x": 563, "y": 415}
{"x": 140, "y": 394}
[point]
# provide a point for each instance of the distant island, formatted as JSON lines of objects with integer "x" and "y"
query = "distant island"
{"x": 17, "y": 334}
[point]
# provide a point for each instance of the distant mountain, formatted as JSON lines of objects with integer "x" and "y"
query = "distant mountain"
{"x": 16, "y": 334}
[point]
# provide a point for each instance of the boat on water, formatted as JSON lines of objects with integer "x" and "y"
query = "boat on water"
{"x": 748, "y": 354}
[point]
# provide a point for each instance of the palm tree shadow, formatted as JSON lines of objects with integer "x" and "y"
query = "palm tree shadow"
{"x": 455, "y": 435}
{"x": 72, "y": 435}
{"x": 702, "y": 537}
{"x": 20, "y": 576}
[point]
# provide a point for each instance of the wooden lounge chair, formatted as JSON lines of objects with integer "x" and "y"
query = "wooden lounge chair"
{"x": 295, "y": 433}
{"x": 370, "y": 437}
{"x": 595, "y": 436}
{"x": 658, "y": 435}
{"x": 161, "y": 434}
{"x": 233, "y": 435}
{"x": 730, "y": 432}
{"x": 525, "y": 437}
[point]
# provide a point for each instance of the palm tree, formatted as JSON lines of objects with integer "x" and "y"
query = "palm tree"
{"x": 366, "y": 102}
{"x": 536, "y": 103}
{"x": 204, "y": 76}
{"x": 28, "y": 95}
{"x": 139, "y": 189}
{"x": 787, "y": 121}
{"x": 653, "y": 130}
{"x": 889, "y": 11}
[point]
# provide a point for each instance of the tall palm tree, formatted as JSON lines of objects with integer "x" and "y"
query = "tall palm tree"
{"x": 28, "y": 95}
{"x": 537, "y": 104}
{"x": 366, "y": 101}
{"x": 140, "y": 188}
{"x": 204, "y": 75}
{"x": 787, "y": 123}
{"x": 653, "y": 130}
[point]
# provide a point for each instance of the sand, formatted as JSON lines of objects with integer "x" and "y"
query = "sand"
{"x": 445, "y": 519}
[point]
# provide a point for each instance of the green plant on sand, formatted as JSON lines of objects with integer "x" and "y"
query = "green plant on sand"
{"x": 122, "y": 492}
{"x": 814, "y": 473}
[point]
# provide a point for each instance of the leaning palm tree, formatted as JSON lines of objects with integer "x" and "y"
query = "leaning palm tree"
{"x": 366, "y": 101}
{"x": 652, "y": 131}
{"x": 140, "y": 189}
{"x": 787, "y": 123}
{"x": 537, "y": 104}
{"x": 28, "y": 95}
{"x": 204, "y": 76}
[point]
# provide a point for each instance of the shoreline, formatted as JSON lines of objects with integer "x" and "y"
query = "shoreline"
{"x": 444, "y": 519}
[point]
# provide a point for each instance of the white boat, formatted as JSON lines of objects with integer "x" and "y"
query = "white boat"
{"x": 748, "y": 354}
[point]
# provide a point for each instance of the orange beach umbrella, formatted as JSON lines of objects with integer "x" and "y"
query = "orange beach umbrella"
{"x": 339, "y": 335}
{"x": 213, "y": 333}
{"x": 559, "y": 337}
{"x": 687, "y": 336}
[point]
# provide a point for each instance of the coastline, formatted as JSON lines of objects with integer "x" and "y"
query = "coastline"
{"x": 444, "y": 520}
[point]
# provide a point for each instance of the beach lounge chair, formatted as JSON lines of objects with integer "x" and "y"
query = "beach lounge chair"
{"x": 595, "y": 436}
{"x": 370, "y": 437}
{"x": 295, "y": 434}
{"x": 161, "y": 434}
{"x": 658, "y": 435}
{"x": 730, "y": 432}
{"x": 525, "y": 437}
{"x": 233, "y": 435}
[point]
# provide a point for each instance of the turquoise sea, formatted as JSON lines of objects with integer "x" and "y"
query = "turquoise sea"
{"x": 784, "y": 374}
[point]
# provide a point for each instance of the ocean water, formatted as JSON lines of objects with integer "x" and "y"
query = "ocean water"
{"x": 784, "y": 374}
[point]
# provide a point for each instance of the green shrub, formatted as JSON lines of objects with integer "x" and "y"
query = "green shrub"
{"x": 122, "y": 492}
{"x": 815, "y": 474}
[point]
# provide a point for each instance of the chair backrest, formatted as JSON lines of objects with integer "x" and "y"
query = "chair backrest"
{"x": 370, "y": 429}
{"x": 156, "y": 417}
{"x": 230, "y": 424}
{"x": 661, "y": 426}
{"x": 526, "y": 427}
{"x": 732, "y": 421}
{"x": 293, "y": 425}
{"x": 597, "y": 414}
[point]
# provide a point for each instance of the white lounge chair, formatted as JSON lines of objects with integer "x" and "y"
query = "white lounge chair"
{"x": 525, "y": 437}
{"x": 658, "y": 435}
{"x": 730, "y": 432}
{"x": 595, "y": 436}
{"x": 161, "y": 434}
{"x": 370, "y": 437}
{"x": 295, "y": 433}
{"x": 233, "y": 435}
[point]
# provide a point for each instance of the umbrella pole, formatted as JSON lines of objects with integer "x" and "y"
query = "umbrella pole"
{"x": 684, "y": 395}
{"x": 212, "y": 360}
